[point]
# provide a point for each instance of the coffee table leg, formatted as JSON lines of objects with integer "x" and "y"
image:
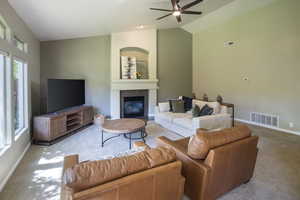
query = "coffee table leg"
{"x": 102, "y": 143}
{"x": 143, "y": 135}
{"x": 130, "y": 141}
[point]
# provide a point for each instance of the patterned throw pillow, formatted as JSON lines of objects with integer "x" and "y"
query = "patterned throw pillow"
{"x": 206, "y": 110}
{"x": 196, "y": 111}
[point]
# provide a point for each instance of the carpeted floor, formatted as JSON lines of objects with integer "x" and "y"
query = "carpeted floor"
{"x": 277, "y": 173}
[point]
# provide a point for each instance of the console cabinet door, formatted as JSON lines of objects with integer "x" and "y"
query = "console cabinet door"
{"x": 58, "y": 126}
{"x": 88, "y": 115}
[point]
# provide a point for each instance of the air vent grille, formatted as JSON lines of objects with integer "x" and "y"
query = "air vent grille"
{"x": 265, "y": 119}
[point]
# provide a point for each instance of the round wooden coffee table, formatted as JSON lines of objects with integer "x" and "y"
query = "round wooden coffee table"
{"x": 124, "y": 127}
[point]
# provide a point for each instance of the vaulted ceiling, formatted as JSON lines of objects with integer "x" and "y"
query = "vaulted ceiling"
{"x": 65, "y": 19}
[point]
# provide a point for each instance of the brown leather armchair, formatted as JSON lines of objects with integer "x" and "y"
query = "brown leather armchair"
{"x": 149, "y": 175}
{"x": 229, "y": 161}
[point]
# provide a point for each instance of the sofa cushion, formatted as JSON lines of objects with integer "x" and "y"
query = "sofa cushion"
{"x": 216, "y": 106}
{"x": 202, "y": 142}
{"x": 186, "y": 122}
{"x": 169, "y": 116}
{"x": 164, "y": 107}
{"x": 199, "y": 103}
{"x": 89, "y": 174}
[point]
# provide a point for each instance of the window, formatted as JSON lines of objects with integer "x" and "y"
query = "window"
{"x": 2, "y": 31}
{"x": 19, "y": 96}
{"x": 3, "y": 60}
{"x": 20, "y": 44}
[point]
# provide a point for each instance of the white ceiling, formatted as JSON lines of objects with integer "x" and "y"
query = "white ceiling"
{"x": 65, "y": 19}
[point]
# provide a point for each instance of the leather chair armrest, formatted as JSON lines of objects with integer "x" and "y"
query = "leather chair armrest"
{"x": 163, "y": 141}
{"x": 66, "y": 192}
{"x": 140, "y": 144}
{"x": 196, "y": 172}
{"x": 180, "y": 151}
{"x": 70, "y": 161}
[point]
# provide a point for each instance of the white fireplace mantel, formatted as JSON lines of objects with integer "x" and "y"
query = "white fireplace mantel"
{"x": 144, "y": 39}
{"x": 134, "y": 85}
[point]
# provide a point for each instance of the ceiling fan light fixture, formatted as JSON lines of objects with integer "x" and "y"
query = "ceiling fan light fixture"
{"x": 176, "y": 13}
{"x": 140, "y": 27}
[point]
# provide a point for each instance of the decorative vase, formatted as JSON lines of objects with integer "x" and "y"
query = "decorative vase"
{"x": 205, "y": 97}
{"x": 219, "y": 99}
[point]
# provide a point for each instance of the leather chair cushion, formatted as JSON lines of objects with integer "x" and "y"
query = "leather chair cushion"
{"x": 87, "y": 175}
{"x": 200, "y": 143}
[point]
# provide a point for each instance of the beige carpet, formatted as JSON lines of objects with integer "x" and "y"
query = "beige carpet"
{"x": 277, "y": 173}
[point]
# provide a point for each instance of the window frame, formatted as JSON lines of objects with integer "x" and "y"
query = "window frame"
{"x": 17, "y": 40}
{"x": 3, "y": 26}
{"x": 24, "y": 81}
{"x": 4, "y": 137}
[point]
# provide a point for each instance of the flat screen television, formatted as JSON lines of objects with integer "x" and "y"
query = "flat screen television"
{"x": 64, "y": 93}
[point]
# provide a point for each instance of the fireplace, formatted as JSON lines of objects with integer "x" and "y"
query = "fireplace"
{"x": 134, "y": 104}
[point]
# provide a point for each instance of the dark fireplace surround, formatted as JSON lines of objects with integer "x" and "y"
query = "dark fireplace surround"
{"x": 134, "y": 104}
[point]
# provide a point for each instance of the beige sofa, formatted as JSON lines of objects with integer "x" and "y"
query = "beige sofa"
{"x": 184, "y": 123}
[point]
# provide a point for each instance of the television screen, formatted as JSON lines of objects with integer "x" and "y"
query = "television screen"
{"x": 64, "y": 93}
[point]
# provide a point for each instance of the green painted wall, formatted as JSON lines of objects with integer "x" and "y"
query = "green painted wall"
{"x": 266, "y": 50}
{"x": 84, "y": 58}
{"x": 174, "y": 63}
{"x": 89, "y": 59}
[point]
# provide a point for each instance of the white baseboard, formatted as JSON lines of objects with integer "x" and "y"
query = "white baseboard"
{"x": 3, "y": 183}
{"x": 269, "y": 127}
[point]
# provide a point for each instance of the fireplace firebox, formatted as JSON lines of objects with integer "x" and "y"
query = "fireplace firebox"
{"x": 134, "y": 104}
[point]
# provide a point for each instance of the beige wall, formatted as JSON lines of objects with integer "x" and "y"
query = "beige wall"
{"x": 266, "y": 50}
{"x": 83, "y": 58}
{"x": 174, "y": 63}
{"x": 9, "y": 157}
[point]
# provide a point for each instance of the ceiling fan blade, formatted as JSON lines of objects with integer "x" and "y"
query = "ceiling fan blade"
{"x": 191, "y": 4}
{"x": 159, "y": 9}
{"x": 179, "y": 20}
{"x": 164, "y": 16}
{"x": 173, "y": 3}
{"x": 191, "y": 12}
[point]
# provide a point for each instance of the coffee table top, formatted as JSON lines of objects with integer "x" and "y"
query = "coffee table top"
{"x": 125, "y": 125}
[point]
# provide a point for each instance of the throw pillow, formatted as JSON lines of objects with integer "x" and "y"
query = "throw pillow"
{"x": 178, "y": 106}
{"x": 216, "y": 106}
{"x": 196, "y": 111}
{"x": 170, "y": 103}
{"x": 188, "y": 103}
{"x": 164, "y": 107}
{"x": 206, "y": 110}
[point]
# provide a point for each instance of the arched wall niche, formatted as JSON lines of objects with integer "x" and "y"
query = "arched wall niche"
{"x": 134, "y": 63}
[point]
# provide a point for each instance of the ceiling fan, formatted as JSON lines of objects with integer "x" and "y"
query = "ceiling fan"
{"x": 178, "y": 10}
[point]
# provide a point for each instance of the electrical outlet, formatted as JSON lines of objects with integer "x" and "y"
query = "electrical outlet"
{"x": 291, "y": 125}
